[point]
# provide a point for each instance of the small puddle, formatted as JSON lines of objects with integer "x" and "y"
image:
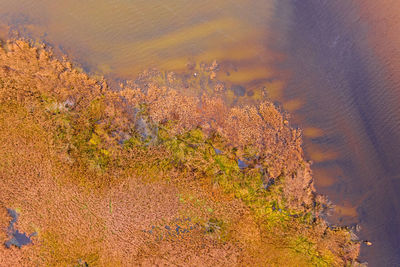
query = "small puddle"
{"x": 17, "y": 238}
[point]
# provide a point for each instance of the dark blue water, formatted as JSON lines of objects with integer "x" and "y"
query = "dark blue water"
{"x": 349, "y": 95}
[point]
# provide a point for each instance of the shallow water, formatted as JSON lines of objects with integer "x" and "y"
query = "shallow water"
{"x": 323, "y": 61}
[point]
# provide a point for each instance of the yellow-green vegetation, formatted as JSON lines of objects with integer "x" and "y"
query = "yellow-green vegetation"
{"x": 150, "y": 176}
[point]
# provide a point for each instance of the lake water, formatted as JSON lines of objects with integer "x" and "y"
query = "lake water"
{"x": 332, "y": 64}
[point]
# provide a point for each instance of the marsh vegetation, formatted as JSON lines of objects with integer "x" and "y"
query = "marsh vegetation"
{"x": 151, "y": 174}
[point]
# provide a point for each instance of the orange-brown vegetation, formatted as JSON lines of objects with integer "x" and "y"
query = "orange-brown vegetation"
{"x": 134, "y": 177}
